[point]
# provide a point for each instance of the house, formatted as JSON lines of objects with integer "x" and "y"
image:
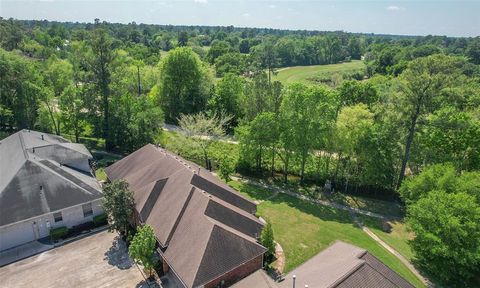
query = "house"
{"x": 339, "y": 266}
{"x": 206, "y": 231}
{"x": 45, "y": 182}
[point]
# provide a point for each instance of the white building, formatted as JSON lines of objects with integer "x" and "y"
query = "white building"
{"x": 45, "y": 182}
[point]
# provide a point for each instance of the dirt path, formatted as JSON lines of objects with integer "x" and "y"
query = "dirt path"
{"x": 277, "y": 190}
{"x": 353, "y": 211}
{"x": 392, "y": 251}
{"x": 280, "y": 262}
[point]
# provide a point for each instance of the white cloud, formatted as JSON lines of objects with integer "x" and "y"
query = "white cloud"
{"x": 201, "y": 1}
{"x": 246, "y": 14}
{"x": 394, "y": 8}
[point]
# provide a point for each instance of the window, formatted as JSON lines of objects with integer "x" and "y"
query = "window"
{"x": 58, "y": 217}
{"x": 87, "y": 209}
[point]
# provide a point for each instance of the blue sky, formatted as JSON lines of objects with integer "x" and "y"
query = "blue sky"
{"x": 407, "y": 17}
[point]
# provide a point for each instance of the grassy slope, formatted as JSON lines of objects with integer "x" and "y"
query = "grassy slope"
{"x": 304, "y": 229}
{"x": 302, "y": 73}
{"x": 397, "y": 238}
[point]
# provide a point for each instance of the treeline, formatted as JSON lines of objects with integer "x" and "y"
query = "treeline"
{"x": 417, "y": 105}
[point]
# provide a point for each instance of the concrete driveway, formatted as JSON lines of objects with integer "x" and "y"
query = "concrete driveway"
{"x": 98, "y": 260}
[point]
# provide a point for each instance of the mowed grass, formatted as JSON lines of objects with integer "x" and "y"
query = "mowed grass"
{"x": 303, "y": 73}
{"x": 397, "y": 238}
{"x": 304, "y": 229}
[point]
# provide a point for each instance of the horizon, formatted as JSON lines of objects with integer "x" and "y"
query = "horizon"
{"x": 395, "y": 18}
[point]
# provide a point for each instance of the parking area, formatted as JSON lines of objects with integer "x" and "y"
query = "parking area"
{"x": 99, "y": 260}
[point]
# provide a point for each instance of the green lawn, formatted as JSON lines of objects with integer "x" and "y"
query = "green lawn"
{"x": 305, "y": 74}
{"x": 397, "y": 238}
{"x": 304, "y": 229}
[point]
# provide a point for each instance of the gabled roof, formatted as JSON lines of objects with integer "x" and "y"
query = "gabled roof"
{"x": 347, "y": 266}
{"x": 205, "y": 227}
{"x": 34, "y": 179}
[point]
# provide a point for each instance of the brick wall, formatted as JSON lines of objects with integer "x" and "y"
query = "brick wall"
{"x": 237, "y": 274}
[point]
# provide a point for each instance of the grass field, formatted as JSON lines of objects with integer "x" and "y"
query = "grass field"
{"x": 397, "y": 238}
{"x": 304, "y": 73}
{"x": 304, "y": 229}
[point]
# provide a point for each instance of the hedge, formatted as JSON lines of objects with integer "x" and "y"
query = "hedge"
{"x": 59, "y": 232}
{"x": 100, "y": 220}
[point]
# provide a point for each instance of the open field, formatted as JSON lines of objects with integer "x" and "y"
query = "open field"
{"x": 304, "y": 74}
{"x": 304, "y": 229}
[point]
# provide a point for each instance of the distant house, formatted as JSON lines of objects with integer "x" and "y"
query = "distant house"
{"x": 206, "y": 231}
{"x": 45, "y": 182}
{"x": 339, "y": 266}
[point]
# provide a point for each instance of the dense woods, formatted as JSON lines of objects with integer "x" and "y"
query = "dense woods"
{"x": 417, "y": 104}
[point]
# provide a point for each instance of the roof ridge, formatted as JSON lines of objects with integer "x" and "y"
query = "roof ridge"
{"x": 210, "y": 238}
{"x": 347, "y": 274}
{"x": 384, "y": 276}
{"x": 203, "y": 253}
{"x": 22, "y": 143}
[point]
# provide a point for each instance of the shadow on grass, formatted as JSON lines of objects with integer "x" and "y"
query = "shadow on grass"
{"x": 317, "y": 210}
{"x": 117, "y": 255}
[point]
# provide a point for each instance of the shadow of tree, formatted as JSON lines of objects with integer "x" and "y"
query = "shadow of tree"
{"x": 148, "y": 284}
{"x": 117, "y": 255}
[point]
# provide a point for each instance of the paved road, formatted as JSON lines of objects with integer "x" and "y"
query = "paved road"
{"x": 95, "y": 261}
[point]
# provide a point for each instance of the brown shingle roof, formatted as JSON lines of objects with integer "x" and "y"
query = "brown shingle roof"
{"x": 204, "y": 225}
{"x": 346, "y": 266}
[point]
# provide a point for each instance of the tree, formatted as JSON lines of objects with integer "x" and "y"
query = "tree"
{"x": 267, "y": 240}
{"x": 424, "y": 82}
{"x": 257, "y": 138}
{"x": 217, "y": 49}
{"x": 184, "y": 85}
{"x": 20, "y": 89}
{"x": 230, "y": 63}
{"x": 73, "y": 116}
{"x": 118, "y": 204}
{"x": 226, "y": 168}
{"x": 447, "y": 236}
{"x": 103, "y": 55}
{"x": 353, "y": 125}
{"x": 182, "y": 39}
{"x": 203, "y": 130}
{"x": 229, "y": 93}
{"x": 306, "y": 114}
{"x": 58, "y": 75}
{"x": 142, "y": 248}
{"x": 136, "y": 121}
{"x": 440, "y": 177}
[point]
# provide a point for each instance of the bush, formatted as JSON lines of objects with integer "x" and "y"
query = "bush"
{"x": 58, "y": 233}
{"x": 100, "y": 220}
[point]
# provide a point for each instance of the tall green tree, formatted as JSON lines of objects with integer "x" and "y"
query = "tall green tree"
{"x": 425, "y": 80}
{"x": 447, "y": 236}
{"x": 102, "y": 56}
{"x": 118, "y": 204}
{"x": 20, "y": 89}
{"x": 142, "y": 248}
{"x": 229, "y": 93}
{"x": 185, "y": 84}
{"x": 306, "y": 115}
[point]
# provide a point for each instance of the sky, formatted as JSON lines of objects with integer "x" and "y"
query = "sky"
{"x": 400, "y": 17}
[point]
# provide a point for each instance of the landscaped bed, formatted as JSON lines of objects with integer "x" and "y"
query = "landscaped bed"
{"x": 304, "y": 229}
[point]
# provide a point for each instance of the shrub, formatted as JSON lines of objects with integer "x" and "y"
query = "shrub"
{"x": 58, "y": 233}
{"x": 100, "y": 220}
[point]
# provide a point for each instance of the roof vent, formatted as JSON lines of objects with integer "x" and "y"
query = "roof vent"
{"x": 42, "y": 137}
{"x": 33, "y": 150}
